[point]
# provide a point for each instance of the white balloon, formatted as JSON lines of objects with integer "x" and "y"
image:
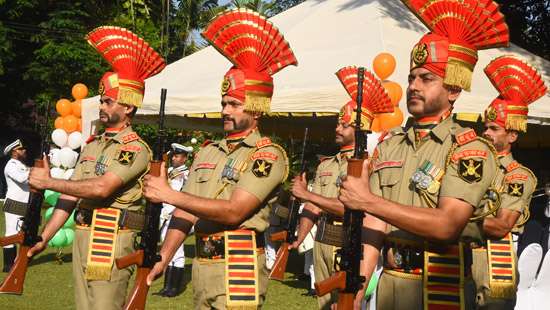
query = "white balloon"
{"x": 57, "y": 173}
{"x": 75, "y": 140}
{"x": 59, "y": 137}
{"x": 67, "y": 175}
{"x": 54, "y": 158}
{"x": 193, "y": 140}
{"x": 68, "y": 157}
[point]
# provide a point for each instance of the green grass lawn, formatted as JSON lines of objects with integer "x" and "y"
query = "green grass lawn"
{"x": 49, "y": 285}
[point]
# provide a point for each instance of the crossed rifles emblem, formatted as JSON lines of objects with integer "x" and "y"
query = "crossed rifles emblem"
{"x": 515, "y": 189}
{"x": 471, "y": 170}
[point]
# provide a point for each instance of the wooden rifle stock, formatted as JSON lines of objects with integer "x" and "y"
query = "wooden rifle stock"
{"x": 138, "y": 296}
{"x": 135, "y": 258}
{"x": 26, "y": 238}
{"x": 279, "y": 267}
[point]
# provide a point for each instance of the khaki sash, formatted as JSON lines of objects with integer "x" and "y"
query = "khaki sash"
{"x": 444, "y": 279}
{"x": 241, "y": 270}
{"x": 101, "y": 249}
{"x": 502, "y": 268}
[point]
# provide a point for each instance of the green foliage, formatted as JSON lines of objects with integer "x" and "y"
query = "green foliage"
{"x": 261, "y": 6}
{"x": 283, "y": 5}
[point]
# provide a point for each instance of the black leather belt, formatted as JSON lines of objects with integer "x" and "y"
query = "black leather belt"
{"x": 127, "y": 220}
{"x": 213, "y": 246}
{"x": 15, "y": 207}
{"x": 329, "y": 232}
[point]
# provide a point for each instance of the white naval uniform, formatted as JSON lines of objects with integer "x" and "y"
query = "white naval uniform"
{"x": 177, "y": 177}
{"x": 17, "y": 180}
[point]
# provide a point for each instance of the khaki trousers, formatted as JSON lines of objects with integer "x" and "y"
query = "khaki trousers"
{"x": 100, "y": 295}
{"x": 208, "y": 278}
{"x": 397, "y": 293}
{"x": 323, "y": 265}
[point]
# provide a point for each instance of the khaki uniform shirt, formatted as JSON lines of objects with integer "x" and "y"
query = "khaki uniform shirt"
{"x": 328, "y": 177}
{"x": 125, "y": 155}
{"x": 256, "y": 165}
{"x": 468, "y": 162}
{"x": 516, "y": 187}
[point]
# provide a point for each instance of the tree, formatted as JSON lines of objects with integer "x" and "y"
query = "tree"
{"x": 283, "y": 5}
{"x": 263, "y": 7}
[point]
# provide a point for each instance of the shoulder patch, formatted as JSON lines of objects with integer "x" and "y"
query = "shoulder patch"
{"x": 469, "y": 153}
{"x": 516, "y": 176}
{"x": 263, "y": 142}
{"x": 466, "y": 136}
{"x": 90, "y": 139}
{"x": 131, "y": 148}
{"x": 513, "y": 165}
{"x": 264, "y": 155}
{"x": 130, "y": 137}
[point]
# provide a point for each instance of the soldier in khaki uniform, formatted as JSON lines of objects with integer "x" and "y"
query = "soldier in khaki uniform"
{"x": 106, "y": 187}
{"x": 233, "y": 181}
{"x": 505, "y": 118}
{"x": 429, "y": 178}
{"x": 322, "y": 205}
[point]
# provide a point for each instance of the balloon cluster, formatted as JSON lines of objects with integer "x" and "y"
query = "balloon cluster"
{"x": 384, "y": 65}
{"x": 65, "y": 236}
{"x": 67, "y": 134}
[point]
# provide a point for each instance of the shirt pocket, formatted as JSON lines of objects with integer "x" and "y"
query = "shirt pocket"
{"x": 204, "y": 173}
{"x": 389, "y": 173}
{"x": 88, "y": 167}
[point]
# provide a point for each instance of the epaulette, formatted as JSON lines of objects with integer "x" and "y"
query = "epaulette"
{"x": 263, "y": 142}
{"x": 90, "y": 138}
{"x": 323, "y": 158}
{"x": 513, "y": 165}
{"x": 465, "y": 137}
{"x": 206, "y": 142}
{"x": 132, "y": 136}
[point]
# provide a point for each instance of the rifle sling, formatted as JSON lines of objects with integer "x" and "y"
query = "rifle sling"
{"x": 15, "y": 207}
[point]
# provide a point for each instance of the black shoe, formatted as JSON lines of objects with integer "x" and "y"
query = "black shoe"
{"x": 9, "y": 258}
{"x": 310, "y": 292}
{"x": 304, "y": 277}
{"x": 176, "y": 286}
{"x": 168, "y": 274}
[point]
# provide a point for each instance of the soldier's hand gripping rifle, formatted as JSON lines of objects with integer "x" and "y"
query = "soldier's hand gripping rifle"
{"x": 28, "y": 236}
{"x": 146, "y": 256}
{"x": 288, "y": 236}
{"x": 348, "y": 280}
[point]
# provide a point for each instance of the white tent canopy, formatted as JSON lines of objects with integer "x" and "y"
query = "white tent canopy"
{"x": 325, "y": 36}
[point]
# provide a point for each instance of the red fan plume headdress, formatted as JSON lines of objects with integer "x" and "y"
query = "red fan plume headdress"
{"x": 375, "y": 98}
{"x": 256, "y": 49}
{"x": 132, "y": 60}
{"x": 519, "y": 84}
{"x": 458, "y": 30}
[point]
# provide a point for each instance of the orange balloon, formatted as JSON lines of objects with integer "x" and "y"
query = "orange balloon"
{"x": 79, "y": 128}
{"x": 79, "y": 91}
{"x": 390, "y": 120}
{"x": 58, "y": 124}
{"x": 70, "y": 123}
{"x": 63, "y": 107}
{"x": 383, "y": 65}
{"x": 76, "y": 107}
{"x": 375, "y": 125}
{"x": 394, "y": 90}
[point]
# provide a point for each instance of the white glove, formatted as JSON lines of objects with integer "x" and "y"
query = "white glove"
{"x": 533, "y": 288}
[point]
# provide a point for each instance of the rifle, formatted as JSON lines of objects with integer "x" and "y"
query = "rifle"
{"x": 288, "y": 236}
{"x": 28, "y": 236}
{"x": 348, "y": 279}
{"x": 146, "y": 256}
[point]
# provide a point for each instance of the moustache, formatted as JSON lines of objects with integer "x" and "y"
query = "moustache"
{"x": 411, "y": 96}
{"x": 103, "y": 114}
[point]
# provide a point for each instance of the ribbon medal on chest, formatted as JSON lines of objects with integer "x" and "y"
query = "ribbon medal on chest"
{"x": 101, "y": 165}
{"x": 232, "y": 169}
{"x": 427, "y": 177}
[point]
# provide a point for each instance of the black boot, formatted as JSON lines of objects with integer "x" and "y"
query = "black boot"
{"x": 9, "y": 258}
{"x": 168, "y": 274}
{"x": 176, "y": 286}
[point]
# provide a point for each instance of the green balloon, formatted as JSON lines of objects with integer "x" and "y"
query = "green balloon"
{"x": 48, "y": 213}
{"x": 373, "y": 283}
{"x": 70, "y": 224}
{"x": 69, "y": 233}
{"x": 58, "y": 240}
{"x": 51, "y": 198}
